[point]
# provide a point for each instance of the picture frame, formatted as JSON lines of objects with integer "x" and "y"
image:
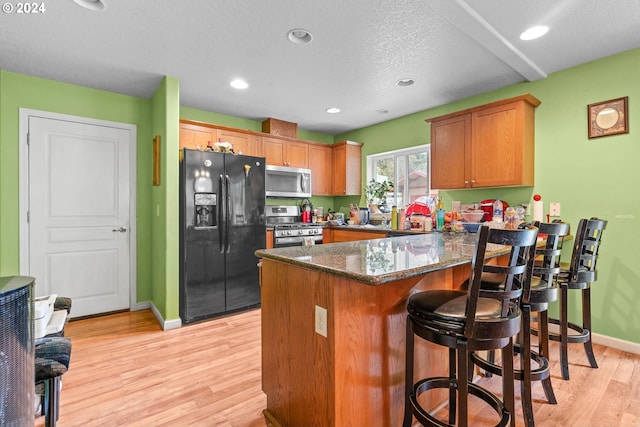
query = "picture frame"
{"x": 608, "y": 117}
{"x": 156, "y": 160}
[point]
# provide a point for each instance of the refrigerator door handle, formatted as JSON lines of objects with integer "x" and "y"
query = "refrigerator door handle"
{"x": 227, "y": 203}
{"x": 222, "y": 217}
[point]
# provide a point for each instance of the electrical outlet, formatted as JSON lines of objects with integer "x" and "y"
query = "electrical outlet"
{"x": 554, "y": 209}
{"x": 321, "y": 321}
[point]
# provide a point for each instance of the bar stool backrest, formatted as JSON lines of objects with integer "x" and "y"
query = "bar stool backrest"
{"x": 585, "y": 250}
{"x": 517, "y": 272}
{"x": 549, "y": 265}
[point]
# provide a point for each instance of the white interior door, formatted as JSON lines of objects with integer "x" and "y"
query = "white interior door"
{"x": 78, "y": 203}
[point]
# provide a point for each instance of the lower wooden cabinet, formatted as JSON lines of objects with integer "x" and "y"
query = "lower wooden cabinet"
{"x": 269, "y": 239}
{"x": 335, "y": 235}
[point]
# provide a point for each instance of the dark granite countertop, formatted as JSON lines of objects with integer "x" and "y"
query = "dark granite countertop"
{"x": 380, "y": 261}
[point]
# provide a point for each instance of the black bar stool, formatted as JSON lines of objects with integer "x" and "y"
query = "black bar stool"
{"x": 578, "y": 274}
{"x": 471, "y": 320}
{"x": 542, "y": 291}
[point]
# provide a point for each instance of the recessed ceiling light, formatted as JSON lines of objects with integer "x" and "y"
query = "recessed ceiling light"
{"x": 299, "y": 36}
{"x": 333, "y": 110}
{"x": 405, "y": 82}
{"x": 239, "y": 84}
{"x": 382, "y": 111}
{"x": 534, "y": 32}
{"x": 90, "y": 4}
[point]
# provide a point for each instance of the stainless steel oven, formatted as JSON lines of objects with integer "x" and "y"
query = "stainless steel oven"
{"x": 287, "y": 228}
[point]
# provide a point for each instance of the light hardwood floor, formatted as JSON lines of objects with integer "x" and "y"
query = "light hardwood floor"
{"x": 126, "y": 371}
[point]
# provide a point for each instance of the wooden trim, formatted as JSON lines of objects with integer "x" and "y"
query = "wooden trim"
{"x": 252, "y": 132}
{"x": 528, "y": 98}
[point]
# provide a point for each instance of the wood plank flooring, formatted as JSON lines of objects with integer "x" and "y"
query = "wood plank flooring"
{"x": 126, "y": 371}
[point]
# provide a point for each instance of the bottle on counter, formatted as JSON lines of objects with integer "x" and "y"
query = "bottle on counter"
{"x": 497, "y": 211}
{"x": 394, "y": 217}
{"x": 401, "y": 219}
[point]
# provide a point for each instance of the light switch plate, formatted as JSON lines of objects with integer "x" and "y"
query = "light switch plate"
{"x": 554, "y": 209}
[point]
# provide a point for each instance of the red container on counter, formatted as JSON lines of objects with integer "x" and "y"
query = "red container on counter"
{"x": 487, "y": 208}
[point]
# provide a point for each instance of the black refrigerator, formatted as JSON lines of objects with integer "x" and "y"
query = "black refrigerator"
{"x": 222, "y": 223}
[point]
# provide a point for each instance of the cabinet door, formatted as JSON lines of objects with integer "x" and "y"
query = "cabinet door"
{"x": 321, "y": 166}
{"x": 297, "y": 154}
{"x": 347, "y": 165}
{"x": 497, "y": 146}
{"x": 451, "y": 152}
{"x": 196, "y": 137}
{"x": 273, "y": 151}
{"x": 243, "y": 143}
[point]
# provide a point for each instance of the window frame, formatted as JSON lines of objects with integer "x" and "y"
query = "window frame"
{"x": 406, "y": 152}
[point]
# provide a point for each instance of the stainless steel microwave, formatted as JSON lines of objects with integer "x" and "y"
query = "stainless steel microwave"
{"x": 282, "y": 181}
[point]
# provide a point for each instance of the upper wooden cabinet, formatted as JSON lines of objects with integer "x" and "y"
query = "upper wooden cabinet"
{"x": 347, "y": 165}
{"x": 321, "y": 165}
{"x": 487, "y": 146}
{"x": 280, "y": 152}
{"x": 336, "y": 169}
{"x": 196, "y": 137}
{"x": 243, "y": 143}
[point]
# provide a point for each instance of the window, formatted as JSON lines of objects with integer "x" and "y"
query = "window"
{"x": 407, "y": 169}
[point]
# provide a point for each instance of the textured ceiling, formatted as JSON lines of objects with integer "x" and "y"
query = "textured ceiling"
{"x": 451, "y": 48}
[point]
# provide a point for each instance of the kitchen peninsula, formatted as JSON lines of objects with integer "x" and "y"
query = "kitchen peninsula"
{"x": 333, "y": 325}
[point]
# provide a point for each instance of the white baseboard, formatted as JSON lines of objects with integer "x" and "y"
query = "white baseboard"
{"x": 140, "y": 306}
{"x": 165, "y": 324}
{"x": 618, "y": 344}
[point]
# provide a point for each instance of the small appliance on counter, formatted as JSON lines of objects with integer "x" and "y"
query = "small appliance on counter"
{"x": 306, "y": 208}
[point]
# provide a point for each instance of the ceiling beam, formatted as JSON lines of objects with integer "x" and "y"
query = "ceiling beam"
{"x": 466, "y": 19}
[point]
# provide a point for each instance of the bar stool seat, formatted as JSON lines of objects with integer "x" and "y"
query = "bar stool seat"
{"x": 466, "y": 321}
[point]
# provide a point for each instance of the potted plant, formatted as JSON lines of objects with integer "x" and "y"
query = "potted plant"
{"x": 375, "y": 193}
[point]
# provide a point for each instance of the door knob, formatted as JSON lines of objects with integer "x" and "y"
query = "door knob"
{"x": 121, "y": 229}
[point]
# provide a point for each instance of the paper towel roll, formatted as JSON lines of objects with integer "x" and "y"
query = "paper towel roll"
{"x": 537, "y": 210}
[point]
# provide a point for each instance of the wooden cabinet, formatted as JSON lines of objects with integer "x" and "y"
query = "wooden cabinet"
{"x": 198, "y": 136}
{"x": 334, "y": 235}
{"x": 321, "y": 165}
{"x": 487, "y": 146}
{"x": 336, "y": 170}
{"x": 269, "y": 239}
{"x": 281, "y": 152}
{"x": 243, "y": 143}
{"x": 347, "y": 165}
{"x": 195, "y": 136}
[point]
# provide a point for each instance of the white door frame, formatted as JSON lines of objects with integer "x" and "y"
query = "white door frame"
{"x": 25, "y": 113}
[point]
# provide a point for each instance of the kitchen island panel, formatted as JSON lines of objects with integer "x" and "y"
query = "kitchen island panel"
{"x": 354, "y": 376}
{"x": 291, "y": 351}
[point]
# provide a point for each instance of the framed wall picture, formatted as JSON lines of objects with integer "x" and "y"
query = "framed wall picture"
{"x": 156, "y": 160}
{"x": 608, "y": 117}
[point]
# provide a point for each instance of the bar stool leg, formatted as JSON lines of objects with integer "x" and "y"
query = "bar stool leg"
{"x": 463, "y": 383}
{"x": 408, "y": 381}
{"x": 564, "y": 332}
{"x": 543, "y": 350}
{"x": 525, "y": 366}
{"x": 452, "y": 391}
{"x": 586, "y": 324}
{"x": 507, "y": 381}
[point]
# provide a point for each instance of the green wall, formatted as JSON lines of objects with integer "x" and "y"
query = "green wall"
{"x": 588, "y": 177}
{"x": 164, "y": 200}
{"x": 21, "y": 91}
